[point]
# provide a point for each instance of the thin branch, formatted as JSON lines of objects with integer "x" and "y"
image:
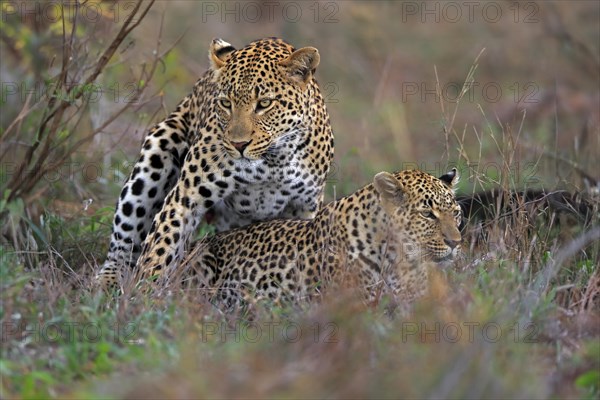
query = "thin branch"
{"x": 20, "y": 184}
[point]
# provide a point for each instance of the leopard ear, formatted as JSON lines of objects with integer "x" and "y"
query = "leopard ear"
{"x": 450, "y": 178}
{"x": 219, "y": 53}
{"x": 301, "y": 65}
{"x": 388, "y": 187}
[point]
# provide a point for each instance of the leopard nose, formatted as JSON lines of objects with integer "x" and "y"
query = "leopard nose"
{"x": 241, "y": 146}
{"x": 452, "y": 243}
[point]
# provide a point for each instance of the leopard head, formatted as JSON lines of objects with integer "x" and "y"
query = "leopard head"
{"x": 262, "y": 93}
{"x": 423, "y": 211}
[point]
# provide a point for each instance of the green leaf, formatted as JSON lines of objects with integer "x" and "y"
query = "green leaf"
{"x": 588, "y": 380}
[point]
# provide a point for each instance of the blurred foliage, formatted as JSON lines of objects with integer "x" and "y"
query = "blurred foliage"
{"x": 49, "y": 133}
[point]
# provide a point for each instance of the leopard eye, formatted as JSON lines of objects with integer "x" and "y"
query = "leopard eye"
{"x": 264, "y": 104}
{"x": 428, "y": 214}
{"x": 225, "y": 103}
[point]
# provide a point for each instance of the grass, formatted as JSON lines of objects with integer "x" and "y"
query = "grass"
{"x": 487, "y": 329}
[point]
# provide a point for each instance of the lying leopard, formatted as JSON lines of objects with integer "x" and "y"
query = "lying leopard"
{"x": 385, "y": 236}
{"x": 252, "y": 142}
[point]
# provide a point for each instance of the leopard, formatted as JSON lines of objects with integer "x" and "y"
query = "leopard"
{"x": 383, "y": 239}
{"x": 251, "y": 142}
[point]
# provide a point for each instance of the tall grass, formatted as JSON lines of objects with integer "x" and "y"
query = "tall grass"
{"x": 516, "y": 316}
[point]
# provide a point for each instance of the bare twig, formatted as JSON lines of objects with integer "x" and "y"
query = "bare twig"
{"x": 36, "y": 162}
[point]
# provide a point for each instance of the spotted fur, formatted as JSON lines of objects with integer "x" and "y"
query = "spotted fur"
{"x": 384, "y": 236}
{"x": 252, "y": 142}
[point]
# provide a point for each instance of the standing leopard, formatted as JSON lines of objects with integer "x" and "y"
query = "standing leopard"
{"x": 252, "y": 142}
{"x": 383, "y": 238}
